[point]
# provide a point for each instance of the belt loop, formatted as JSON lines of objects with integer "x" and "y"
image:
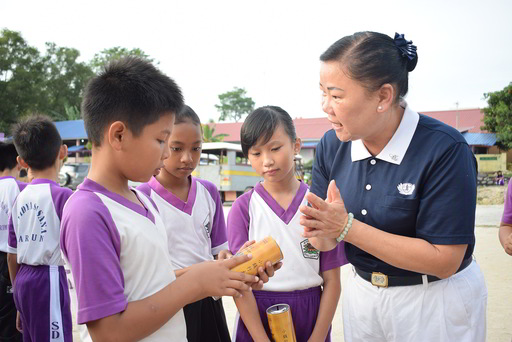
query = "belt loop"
{"x": 425, "y": 280}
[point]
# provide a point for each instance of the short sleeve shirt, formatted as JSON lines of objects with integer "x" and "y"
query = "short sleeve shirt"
{"x": 196, "y": 229}
{"x": 507, "y": 212}
{"x": 34, "y": 224}
{"x": 9, "y": 190}
{"x": 422, "y": 184}
{"x": 256, "y": 215}
{"x": 118, "y": 254}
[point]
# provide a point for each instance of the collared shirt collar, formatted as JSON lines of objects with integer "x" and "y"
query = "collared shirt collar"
{"x": 396, "y": 148}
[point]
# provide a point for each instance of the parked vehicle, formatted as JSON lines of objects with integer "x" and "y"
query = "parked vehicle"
{"x": 227, "y": 168}
{"x": 72, "y": 174}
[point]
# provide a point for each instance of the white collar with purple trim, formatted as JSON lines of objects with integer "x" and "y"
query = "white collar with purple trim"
{"x": 396, "y": 148}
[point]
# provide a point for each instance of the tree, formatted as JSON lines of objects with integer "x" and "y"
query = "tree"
{"x": 498, "y": 115}
{"x": 107, "y": 55}
{"x": 234, "y": 104}
{"x": 65, "y": 78}
{"x": 51, "y": 84}
{"x": 210, "y": 136}
{"x": 21, "y": 76}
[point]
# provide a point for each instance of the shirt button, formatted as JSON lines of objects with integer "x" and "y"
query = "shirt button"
{"x": 373, "y": 162}
{"x": 368, "y": 186}
{"x": 364, "y": 212}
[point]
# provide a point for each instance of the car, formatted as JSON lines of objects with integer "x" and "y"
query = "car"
{"x": 72, "y": 174}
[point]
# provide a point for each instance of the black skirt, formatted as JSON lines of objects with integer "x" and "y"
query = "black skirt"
{"x": 206, "y": 321}
{"x": 8, "y": 330}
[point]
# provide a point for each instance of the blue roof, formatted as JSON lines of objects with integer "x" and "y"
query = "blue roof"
{"x": 309, "y": 144}
{"x": 71, "y": 130}
{"x": 76, "y": 148}
{"x": 480, "y": 139}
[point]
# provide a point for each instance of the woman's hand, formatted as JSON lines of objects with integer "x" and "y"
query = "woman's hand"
{"x": 325, "y": 219}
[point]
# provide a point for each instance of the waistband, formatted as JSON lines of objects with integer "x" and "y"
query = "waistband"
{"x": 382, "y": 280}
{"x": 312, "y": 291}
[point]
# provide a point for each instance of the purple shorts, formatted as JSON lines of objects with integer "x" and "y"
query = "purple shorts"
{"x": 42, "y": 297}
{"x": 304, "y": 305}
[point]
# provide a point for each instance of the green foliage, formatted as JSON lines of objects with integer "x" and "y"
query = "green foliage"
{"x": 21, "y": 76}
{"x": 107, "y": 55}
{"x": 234, "y": 104}
{"x": 210, "y": 136}
{"x": 50, "y": 83}
{"x": 498, "y": 115}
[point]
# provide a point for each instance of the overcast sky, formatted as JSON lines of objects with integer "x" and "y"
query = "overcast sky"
{"x": 271, "y": 48}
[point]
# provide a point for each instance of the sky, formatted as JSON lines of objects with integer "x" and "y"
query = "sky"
{"x": 272, "y": 48}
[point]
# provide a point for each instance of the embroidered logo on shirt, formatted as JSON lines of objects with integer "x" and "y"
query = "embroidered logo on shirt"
{"x": 206, "y": 226}
{"x": 406, "y": 188}
{"x": 308, "y": 251}
{"x": 394, "y": 157}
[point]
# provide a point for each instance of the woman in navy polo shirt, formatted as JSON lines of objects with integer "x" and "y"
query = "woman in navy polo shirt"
{"x": 400, "y": 190}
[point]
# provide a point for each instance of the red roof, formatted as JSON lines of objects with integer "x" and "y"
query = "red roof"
{"x": 470, "y": 120}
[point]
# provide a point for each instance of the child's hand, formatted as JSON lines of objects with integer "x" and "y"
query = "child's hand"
{"x": 216, "y": 279}
{"x": 18, "y": 322}
{"x": 266, "y": 274}
{"x": 508, "y": 245}
{"x": 223, "y": 255}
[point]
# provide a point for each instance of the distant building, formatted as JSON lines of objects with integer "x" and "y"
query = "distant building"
{"x": 466, "y": 121}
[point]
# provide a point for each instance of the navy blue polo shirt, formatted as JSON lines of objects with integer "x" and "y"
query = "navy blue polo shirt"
{"x": 422, "y": 184}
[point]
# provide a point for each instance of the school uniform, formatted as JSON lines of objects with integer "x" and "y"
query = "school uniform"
{"x": 118, "y": 253}
{"x": 9, "y": 190}
{"x": 423, "y": 185}
{"x": 256, "y": 215}
{"x": 41, "y": 290}
{"x": 196, "y": 231}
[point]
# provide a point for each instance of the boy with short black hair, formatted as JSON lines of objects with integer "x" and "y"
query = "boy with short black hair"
{"x": 9, "y": 190}
{"x": 113, "y": 235}
{"x": 35, "y": 264}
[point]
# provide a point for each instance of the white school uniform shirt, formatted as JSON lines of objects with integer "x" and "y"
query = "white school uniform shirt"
{"x": 256, "y": 214}
{"x": 34, "y": 224}
{"x": 196, "y": 229}
{"x": 118, "y": 254}
{"x": 9, "y": 190}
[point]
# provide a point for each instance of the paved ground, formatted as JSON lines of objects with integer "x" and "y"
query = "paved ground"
{"x": 494, "y": 262}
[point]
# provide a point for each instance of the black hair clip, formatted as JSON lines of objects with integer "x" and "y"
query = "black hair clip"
{"x": 405, "y": 46}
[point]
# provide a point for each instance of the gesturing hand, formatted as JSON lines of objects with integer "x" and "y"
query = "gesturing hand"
{"x": 326, "y": 219}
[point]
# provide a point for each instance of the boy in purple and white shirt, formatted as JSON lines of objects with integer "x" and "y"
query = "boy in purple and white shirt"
{"x": 9, "y": 190}
{"x": 112, "y": 235}
{"x": 35, "y": 264}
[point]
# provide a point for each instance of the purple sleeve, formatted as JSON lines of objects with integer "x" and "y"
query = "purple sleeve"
{"x": 59, "y": 197}
{"x": 91, "y": 243}
{"x": 12, "y": 242}
{"x": 507, "y": 212}
{"x": 333, "y": 258}
{"x": 219, "y": 234}
{"x": 238, "y": 222}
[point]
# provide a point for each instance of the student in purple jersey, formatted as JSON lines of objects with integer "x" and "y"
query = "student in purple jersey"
{"x": 192, "y": 212}
{"x": 9, "y": 190}
{"x": 113, "y": 235}
{"x": 35, "y": 264}
{"x": 309, "y": 280}
{"x": 505, "y": 232}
